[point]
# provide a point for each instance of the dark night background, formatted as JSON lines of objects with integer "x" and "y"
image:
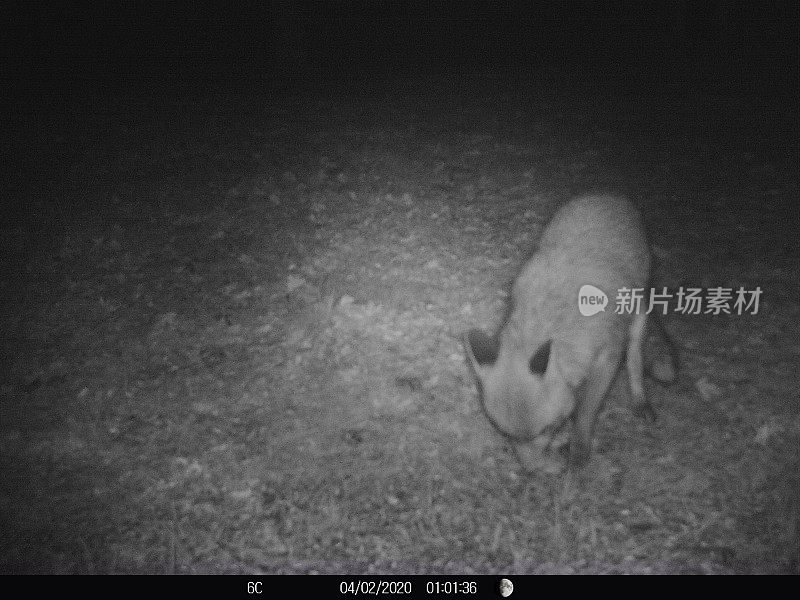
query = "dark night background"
{"x": 719, "y": 45}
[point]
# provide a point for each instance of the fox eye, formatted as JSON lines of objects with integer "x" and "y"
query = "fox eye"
{"x": 538, "y": 363}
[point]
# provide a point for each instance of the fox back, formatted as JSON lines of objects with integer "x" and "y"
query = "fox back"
{"x": 548, "y": 362}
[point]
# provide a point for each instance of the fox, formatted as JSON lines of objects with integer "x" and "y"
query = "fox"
{"x": 549, "y": 365}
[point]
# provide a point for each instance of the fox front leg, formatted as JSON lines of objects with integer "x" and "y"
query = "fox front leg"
{"x": 588, "y": 399}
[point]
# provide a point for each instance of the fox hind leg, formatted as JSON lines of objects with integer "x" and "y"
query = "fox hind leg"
{"x": 660, "y": 349}
{"x": 635, "y": 367}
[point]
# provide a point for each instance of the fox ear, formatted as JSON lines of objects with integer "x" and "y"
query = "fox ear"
{"x": 538, "y": 362}
{"x": 481, "y": 350}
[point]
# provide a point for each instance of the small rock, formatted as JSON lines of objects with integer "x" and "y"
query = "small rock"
{"x": 708, "y": 390}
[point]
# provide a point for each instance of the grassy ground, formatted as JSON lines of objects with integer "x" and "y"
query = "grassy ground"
{"x": 232, "y": 337}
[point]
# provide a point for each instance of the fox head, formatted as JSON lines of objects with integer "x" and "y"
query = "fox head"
{"x": 524, "y": 393}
